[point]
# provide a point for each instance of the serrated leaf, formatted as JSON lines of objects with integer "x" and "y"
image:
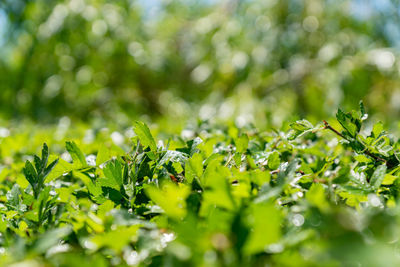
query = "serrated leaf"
{"x": 145, "y": 137}
{"x": 345, "y": 120}
{"x": 113, "y": 173}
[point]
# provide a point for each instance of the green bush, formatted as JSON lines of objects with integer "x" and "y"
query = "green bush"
{"x": 323, "y": 195}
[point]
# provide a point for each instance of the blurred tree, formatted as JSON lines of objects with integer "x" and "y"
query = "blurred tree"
{"x": 91, "y": 58}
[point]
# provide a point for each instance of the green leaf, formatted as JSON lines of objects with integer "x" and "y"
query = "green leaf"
{"x": 76, "y": 154}
{"x": 94, "y": 188}
{"x": 287, "y": 172}
{"x": 301, "y": 125}
{"x": 113, "y": 172}
{"x": 218, "y": 190}
{"x": 170, "y": 197}
{"x": 363, "y": 115}
{"x": 348, "y": 123}
{"x": 29, "y": 169}
{"x": 38, "y": 163}
{"x": 242, "y": 143}
{"x": 260, "y": 177}
{"x": 145, "y": 137}
{"x": 30, "y": 173}
{"x": 49, "y": 168}
{"x": 172, "y": 156}
{"x": 378, "y": 176}
{"x": 362, "y": 158}
{"x": 343, "y": 175}
{"x": 191, "y": 146}
{"x": 389, "y": 179}
{"x": 13, "y": 195}
{"x": 357, "y": 146}
{"x": 106, "y": 153}
{"x": 274, "y": 160}
{"x": 103, "y": 155}
{"x": 45, "y": 157}
{"x": 316, "y": 197}
{"x": 265, "y": 225}
{"x": 377, "y": 129}
{"x": 299, "y": 128}
{"x": 3, "y": 225}
{"x": 117, "y": 238}
{"x": 178, "y": 167}
{"x": 194, "y": 168}
{"x": 60, "y": 169}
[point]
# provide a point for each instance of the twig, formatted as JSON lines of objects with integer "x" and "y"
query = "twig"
{"x": 366, "y": 151}
{"x": 369, "y": 153}
{"x": 328, "y": 126}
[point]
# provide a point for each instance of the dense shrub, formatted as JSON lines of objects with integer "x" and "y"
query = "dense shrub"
{"x": 323, "y": 195}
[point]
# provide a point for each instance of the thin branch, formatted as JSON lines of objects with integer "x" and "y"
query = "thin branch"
{"x": 366, "y": 151}
{"x": 369, "y": 153}
{"x": 328, "y": 126}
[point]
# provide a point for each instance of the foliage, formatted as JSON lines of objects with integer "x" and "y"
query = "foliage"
{"x": 300, "y": 196}
{"x": 256, "y": 176}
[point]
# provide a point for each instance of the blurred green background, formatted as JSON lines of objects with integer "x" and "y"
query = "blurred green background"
{"x": 261, "y": 62}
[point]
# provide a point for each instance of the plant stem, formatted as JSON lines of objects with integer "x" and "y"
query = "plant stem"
{"x": 366, "y": 151}
{"x": 328, "y": 126}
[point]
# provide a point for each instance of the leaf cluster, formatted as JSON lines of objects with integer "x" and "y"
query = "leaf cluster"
{"x": 229, "y": 197}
